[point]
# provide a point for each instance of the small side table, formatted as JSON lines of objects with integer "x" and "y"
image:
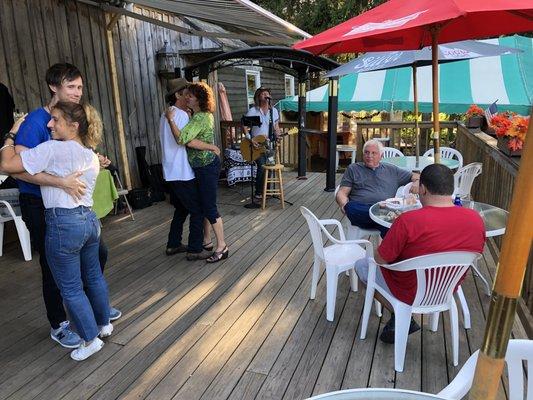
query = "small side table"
{"x": 344, "y": 148}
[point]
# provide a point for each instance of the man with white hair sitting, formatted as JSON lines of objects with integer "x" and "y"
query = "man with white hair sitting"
{"x": 364, "y": 184}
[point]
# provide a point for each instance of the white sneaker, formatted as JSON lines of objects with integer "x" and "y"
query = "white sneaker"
{"x": 87, "y": 349}
{"x": 106, "y": 330}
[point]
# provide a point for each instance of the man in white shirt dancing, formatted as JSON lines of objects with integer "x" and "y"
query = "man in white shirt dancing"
{"x": 180, "y": 176}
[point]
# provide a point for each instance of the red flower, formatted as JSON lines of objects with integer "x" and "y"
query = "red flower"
{"x": 474, "y": 111}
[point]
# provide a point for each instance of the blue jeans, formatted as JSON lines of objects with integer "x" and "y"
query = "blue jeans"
{"x": 186, "y": 201}
{"x": 72, "y": 242}
{"x": 207, "y": 181}
{"x": 358, "y": 215}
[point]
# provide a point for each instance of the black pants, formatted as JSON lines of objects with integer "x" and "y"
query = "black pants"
{"x": 32, "y": 209}
{"x": 260, "y": 175}
{"x": 184, "y": 196}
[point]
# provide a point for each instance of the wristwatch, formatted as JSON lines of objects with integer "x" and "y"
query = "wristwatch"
{"x": 9, "y": 135}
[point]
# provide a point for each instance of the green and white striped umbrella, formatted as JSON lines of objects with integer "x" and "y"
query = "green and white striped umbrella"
{"x": 508, "y": 79}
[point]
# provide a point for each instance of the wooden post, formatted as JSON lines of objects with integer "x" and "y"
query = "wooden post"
{"x": 417, "y": 128}
{"x": 333, "y": 105}
{"x": 302, "y": 144}
{"x": 435, "y": 75}
{"x": 116, "y": 103}
{"x": 509, "y": 278}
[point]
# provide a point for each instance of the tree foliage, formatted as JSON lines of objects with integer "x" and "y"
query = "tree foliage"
{"x": 315, "y": 16}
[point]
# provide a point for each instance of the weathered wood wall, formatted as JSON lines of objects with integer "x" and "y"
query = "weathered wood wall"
{"x": 38, "y": 33}
{"x": 234, "y": 80}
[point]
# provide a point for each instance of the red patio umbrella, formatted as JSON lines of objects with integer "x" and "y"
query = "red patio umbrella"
{"x": 413, "y": 24}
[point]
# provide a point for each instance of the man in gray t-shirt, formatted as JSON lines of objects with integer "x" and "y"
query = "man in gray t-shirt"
{"x": 366, "y": 183}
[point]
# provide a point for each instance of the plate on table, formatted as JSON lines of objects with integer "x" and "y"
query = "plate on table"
{"x": 399, "y": 204}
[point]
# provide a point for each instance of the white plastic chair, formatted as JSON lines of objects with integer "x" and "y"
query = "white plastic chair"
{"x": 518, "y": 350}
{"x": 437, "y": 275}
{"x": 403, "y": 191}
{"x": 464, "y": 179}
{"x": 389, "y": 152}
{"x": 356, "y": 233}
{"x": 11, "y": 212}
{"x": 337, "y": 258}
{"x": 124, "y": 193}
{"x": 446, "y": 152}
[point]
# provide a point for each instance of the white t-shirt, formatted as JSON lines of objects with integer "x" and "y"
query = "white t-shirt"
{"x": 62, "y": 158}
{"x": 176, "y": 166}
{"x": 265, "y": 119}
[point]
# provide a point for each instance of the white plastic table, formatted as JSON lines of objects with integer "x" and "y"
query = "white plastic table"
{"x": 494, "y": 218}
{"x": 376, "y": 394}
{"x": 409, "y": 162}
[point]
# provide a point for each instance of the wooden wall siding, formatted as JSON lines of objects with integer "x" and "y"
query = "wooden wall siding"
{"x": 234, "y": 79}
{"x": 38, "y": 33}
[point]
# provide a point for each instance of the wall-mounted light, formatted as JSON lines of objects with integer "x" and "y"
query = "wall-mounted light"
{"x": 167, "y": 61}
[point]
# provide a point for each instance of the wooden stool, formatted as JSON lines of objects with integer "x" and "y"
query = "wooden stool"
{"x": 273, "y": 177}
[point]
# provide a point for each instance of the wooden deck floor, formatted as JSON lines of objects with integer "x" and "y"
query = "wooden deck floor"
{"x": 241, "y": 329}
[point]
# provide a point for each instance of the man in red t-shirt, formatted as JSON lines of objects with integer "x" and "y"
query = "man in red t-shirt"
{"x": 438, "y": 226}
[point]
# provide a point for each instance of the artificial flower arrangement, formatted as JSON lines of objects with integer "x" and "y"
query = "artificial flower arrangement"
{"x": 474, "y": 111}
{"x": 511, "y": 127}
{"x": 474, "y": 117}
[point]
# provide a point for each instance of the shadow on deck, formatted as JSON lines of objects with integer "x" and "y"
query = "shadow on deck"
{"x": 240, "y": 329}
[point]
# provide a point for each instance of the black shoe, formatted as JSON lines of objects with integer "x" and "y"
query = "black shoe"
{"x": 218, "y": 255}
{"x": 387, "y": 334}
{"x": 175, "y": 250}
{"x": 204, "y": 254}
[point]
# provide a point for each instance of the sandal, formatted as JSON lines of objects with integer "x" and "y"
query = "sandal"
{"x": 208, "y": 246}
{"x": 218, "y": 255}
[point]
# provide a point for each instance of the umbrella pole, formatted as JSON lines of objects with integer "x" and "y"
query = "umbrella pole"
{"x": 435, "y": 74}
{"x": 508, "y": 284}
{"x": 417, "y": 129}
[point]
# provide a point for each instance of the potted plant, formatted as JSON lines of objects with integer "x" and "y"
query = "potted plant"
{"x": 474, "y": 117}
{"x": 511, "y": 132}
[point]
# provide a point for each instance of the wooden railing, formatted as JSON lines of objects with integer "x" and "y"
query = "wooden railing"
{"x": 402, "y": 135}
{"x": 495, "y": 186}
{"x": 232, "y": 134}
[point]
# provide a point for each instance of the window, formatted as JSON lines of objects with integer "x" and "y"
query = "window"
{"x": 289, "y": 85}
{"x": 253, "y": 82}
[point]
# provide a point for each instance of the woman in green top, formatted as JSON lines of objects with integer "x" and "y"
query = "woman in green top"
{"x": 198, "y": 135}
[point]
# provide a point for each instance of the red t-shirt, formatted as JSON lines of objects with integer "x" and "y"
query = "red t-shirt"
{"x": 425, "y": 231}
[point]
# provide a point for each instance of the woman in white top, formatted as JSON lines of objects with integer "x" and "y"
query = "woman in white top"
{"x": 72, "y": 228}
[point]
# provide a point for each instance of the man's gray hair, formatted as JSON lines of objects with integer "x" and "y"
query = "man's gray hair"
{"x": 374, "y": 142}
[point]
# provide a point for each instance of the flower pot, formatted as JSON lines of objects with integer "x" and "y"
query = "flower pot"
{"x": 503, "y": 146}
{"x": 474, "y": 122}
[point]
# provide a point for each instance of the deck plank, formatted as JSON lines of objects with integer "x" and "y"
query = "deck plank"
{"x": 244, "y": 328}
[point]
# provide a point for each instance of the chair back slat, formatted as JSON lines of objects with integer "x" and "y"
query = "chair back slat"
{"x": 389, "y": 152}
{"x": 446, "y": 152}
{"x": 437, "y": 275}
{"x": 438, "y": 284}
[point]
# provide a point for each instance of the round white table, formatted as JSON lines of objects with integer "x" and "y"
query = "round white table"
{"x": 494, "y": 218}
{"x": 375, "y": 393}
{"x": 409, "y": 162}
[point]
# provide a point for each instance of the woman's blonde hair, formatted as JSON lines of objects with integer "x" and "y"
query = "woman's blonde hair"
{"x": 90, "y": 125}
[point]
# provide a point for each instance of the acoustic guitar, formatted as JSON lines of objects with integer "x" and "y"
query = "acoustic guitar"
{"x": 250, "y": 153}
